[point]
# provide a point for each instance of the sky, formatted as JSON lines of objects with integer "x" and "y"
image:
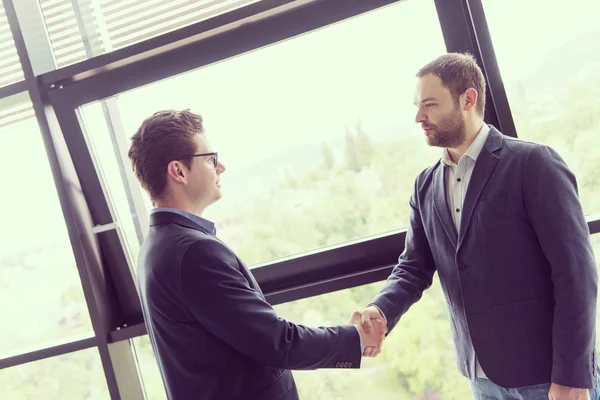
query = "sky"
{"x": 524, "y": 32}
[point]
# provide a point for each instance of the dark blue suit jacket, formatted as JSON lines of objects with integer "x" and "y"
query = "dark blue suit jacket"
{"x": 214, "y": 334}
{"x": 520, "y": 280}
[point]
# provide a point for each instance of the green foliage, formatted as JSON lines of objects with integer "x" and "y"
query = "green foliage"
{"x": 69, "y": 376}
{"x": 358, "y": 149}
{"x": 363, "y": 145}
{"x": 352, "y": 160}
{"x": 328, "y": 160}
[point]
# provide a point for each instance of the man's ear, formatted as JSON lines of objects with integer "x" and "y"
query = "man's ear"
{"x": 177, "y": 172}
{"x": 470, "y": 98}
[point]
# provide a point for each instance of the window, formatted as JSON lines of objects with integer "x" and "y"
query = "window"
{"x": 81, "y": 29}
{"x": 552, "y": 74}
{"x": 73, "y": 376}
{"x": 110, "y": 160}
{"x": 317, "y": 132}
{"x": 10, "y": 65}
{"x": 40, "y": 288}
{"x": 152, "y": 380}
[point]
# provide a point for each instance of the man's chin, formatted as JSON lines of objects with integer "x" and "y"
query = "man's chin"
{"x": 431, "y": 141}
{"x": 435, "y": 142}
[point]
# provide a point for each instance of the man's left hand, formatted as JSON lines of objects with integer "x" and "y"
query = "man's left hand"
{"x": 560, "y": 392}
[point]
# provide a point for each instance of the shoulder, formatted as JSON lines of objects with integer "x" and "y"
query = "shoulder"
{"x": 206, "y": 247}
{"x": 207, "y": 261}
{"x": 525, "y": 148}
{"x": 532, "y": 154}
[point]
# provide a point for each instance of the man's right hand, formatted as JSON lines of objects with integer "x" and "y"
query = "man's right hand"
{"x": 372, "y": 340}
{"x": 369, "y": 317}
{"x": 370, "y": 314}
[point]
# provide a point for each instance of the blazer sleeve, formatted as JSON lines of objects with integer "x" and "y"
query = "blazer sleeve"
{"x": 552, "y": 203}
{"x": 413, "y": 273}
{"x": 221, "y": 299}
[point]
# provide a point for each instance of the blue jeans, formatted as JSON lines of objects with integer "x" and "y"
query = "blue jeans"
{"x": 484, "y": 389}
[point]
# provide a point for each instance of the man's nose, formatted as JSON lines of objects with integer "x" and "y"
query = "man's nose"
{"x": 420, "y": 117}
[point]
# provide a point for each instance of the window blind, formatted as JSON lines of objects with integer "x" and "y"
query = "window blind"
{"x": 10, "y": 66}
{"x": 80, "y": 29}
{"x": 17, "y": 113}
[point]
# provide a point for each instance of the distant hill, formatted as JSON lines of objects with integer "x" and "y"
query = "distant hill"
{"x": 297, "y": 160}
{"x": 566, "y": 61}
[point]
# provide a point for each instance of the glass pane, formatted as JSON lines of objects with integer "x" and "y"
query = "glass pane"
{"x": 417, "y": 360}
{"x": 73, "y": 376}
{"x": 80, "y": 29}
{"x": 153, "y": 384}
{"x": 552, "y": 75}
{"x": 10, "y": 65}
{"x": 109, "y": 154}
{"x": 40, "y": 289}
{"x": 317, "y": 132}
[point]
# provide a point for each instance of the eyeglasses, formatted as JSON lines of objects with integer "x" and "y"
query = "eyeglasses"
{"x": 214, "y": 156}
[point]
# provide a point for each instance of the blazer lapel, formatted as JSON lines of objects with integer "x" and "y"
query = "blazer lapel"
{"x": 441, "y": 205}
{"x": 485, "y": 164}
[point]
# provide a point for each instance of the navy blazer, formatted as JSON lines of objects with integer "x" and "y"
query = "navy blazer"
{"x": 214, "y": 334}
{"x": 520, "y": 280}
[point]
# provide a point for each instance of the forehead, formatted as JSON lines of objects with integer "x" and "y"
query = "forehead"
{"x": 430, "y": 87}
{"x": 202, "y": 144}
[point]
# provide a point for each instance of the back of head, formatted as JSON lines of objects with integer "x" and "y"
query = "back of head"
{"x": 458, "y": 72}
{"x": 165, "y": 136}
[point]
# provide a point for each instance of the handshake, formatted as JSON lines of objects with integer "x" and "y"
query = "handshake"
{"x": 371, "y": 325}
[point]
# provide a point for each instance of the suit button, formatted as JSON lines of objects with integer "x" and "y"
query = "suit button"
{"x": 462, "y": 266}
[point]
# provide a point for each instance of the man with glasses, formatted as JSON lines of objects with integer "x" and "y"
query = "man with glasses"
{"x": 212, "y": 331}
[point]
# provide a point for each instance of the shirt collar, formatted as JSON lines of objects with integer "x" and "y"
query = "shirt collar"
{"x": 204, "y": 223}
{"x": 473, "y": 150}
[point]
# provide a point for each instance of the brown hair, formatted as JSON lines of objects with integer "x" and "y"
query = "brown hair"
{"x": 163, "y": 137}
{"x": 458, "y": 72}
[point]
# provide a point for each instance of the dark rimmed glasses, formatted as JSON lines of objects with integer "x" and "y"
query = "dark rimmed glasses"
{"x": 214, "y": 155}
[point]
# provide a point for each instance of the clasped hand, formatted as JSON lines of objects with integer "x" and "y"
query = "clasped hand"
{"x": 372, "y": 329}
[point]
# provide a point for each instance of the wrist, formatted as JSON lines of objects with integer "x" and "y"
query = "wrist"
{"x": 374, "y": 306}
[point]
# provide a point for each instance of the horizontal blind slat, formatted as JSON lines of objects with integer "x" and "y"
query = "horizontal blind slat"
{"x": 119, "y": 23}
{"x": 10, "y": 65}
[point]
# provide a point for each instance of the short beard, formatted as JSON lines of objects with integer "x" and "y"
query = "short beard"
{"x": 450, "y": 132}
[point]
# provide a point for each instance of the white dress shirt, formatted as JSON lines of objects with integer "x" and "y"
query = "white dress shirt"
{"x": 457, "y": 178}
